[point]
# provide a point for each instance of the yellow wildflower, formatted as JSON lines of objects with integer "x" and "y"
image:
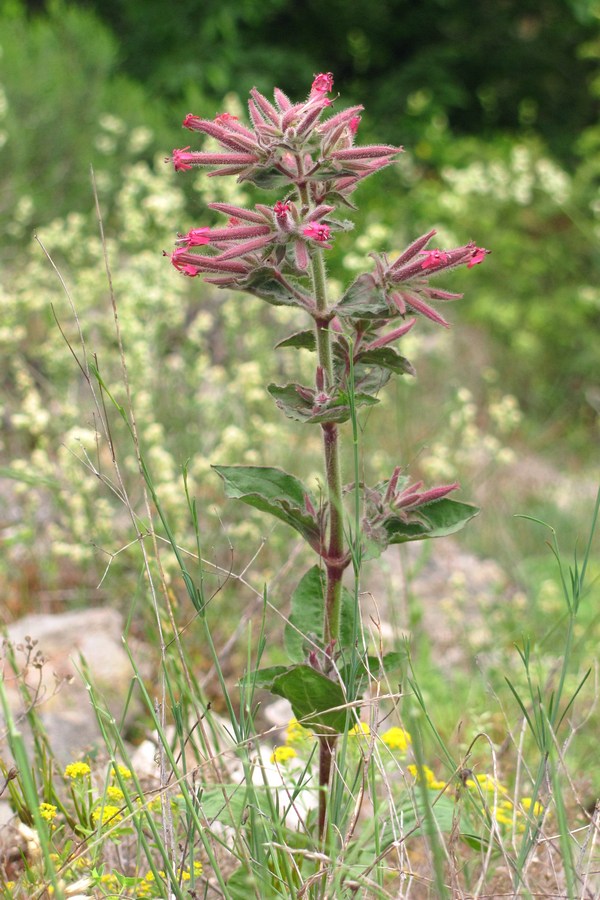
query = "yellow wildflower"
{"x": 396, "y": 739}
{"x": 48, "y": 811}
{"x": 295, "y": 732}
{"x": 282, "y": 754}
{"x": 429, "y": 775}
{"x": 123, "y": 771}
{"x": 77, "y": 770}
{"x": 115, "y": 794}
{"x": 358, "y": 729}
{"x": 107, "y": 814}
{"x": 529, "y": 806}
{"x": 487, "y": 783}
{"x": 502, "y": 817}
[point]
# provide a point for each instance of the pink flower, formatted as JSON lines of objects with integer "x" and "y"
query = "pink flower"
{"x": 322, "y": 84}
{"x": 197, "y": 237}
{"x": 190, "y": 121}
{"x": 412, "y": 495}
{"x": 235, "y": 162}
{"x": 479, "y": 254}
{"x": 225, "y": 118}
{"x": 316, "y": 232}
{"x": 281, "y": 209}
{"x": 181, "y": 159}
{"x": 434, "y": 258}
{"x": 183, "y": 265}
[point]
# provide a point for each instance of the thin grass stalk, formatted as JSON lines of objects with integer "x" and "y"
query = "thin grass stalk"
{"x": 20, "y": 756}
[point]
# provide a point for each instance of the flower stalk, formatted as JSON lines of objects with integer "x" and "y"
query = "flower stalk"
{"x": 277, "y": 252}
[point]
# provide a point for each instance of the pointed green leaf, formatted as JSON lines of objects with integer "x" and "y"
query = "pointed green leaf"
{"x": 370, "y": 669}
{"x": 225, "y": 804}
{"x": 370, "y": 379}
{"x": 303, "y": 340}
{"x": 307, "y": 613}
{"x": 414, "y": 814}
{"x": 262, "y": 283}
{"x": 433, "y": 520}
{"x": 306, "y": 616}
{"x": 387, "y": 358}
{"x": 438, "y": 519}
{"x": 274, "y": 491}
{"x": 340, "y": 224}
{"x": 266, "y": 178}
{"x": 314, "y": 698}
{"x": 364, "y": 299}
{"x": 262, "y": 679}
{"x": 296, "y": 407}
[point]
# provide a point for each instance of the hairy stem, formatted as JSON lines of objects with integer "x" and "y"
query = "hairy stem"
{"x": 335, "y": 545}
{"x": 334, "y": 558}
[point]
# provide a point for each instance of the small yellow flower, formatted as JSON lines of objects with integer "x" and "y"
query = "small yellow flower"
{"x": 123, "y": 771}
{"x": 487, "y": 783}
{"x": 396, "y": 739}
{"x": 48, "y": 811}
{"x": 282, "y": 754}
{"x": 502, "y": 817}
{"x": 77, "y": 770}
{"x": 115, "y": 794}
{"x": 529, "y": 806}
{"x": 107, "y": 814}
{"x": 359, "y": 729}
{"x": 429, "y": 775}
{"x": 295, "y": 733}
{"x": 436, "y": 785}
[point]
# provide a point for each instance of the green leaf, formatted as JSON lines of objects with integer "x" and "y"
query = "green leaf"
{"x": 438, "y": 519}
{"x": 274, "y": 491}
{"x": 370, "y": 379}
{"x": 303, "y": 340}
{"x": 370, "y": 669}
{"x": 364, "y": 299}
{"x": 262, "y": 283}
{"x": 334, "y": 198}
{"x": 442, "y": 809}
{"x": 262, "y": 679}
{"x": 314, "y": 698}
{"x": 340, "y": 224}
{"x": 225, "y": 804}
{"x": 307, "y": 613}
{"x": 296, "y": 407}
{"x": 266, "y": 178}
{"x": 306, "y": 616}
{"x": 387, "y": 358}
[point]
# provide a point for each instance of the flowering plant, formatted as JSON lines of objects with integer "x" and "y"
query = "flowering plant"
{"x": 277, "y": 252}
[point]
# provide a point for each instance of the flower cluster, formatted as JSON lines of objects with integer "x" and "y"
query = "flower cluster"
{"x": 290, "y": 149}
{"x": 506, "y": 813}
{"x": 405, "y": 281}
{"x": 287, "y": 144}
{"x": 76, "y": 770}
{"x": 264, "y": 236}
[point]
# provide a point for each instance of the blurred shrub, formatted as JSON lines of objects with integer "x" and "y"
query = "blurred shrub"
{"x": 59, "y": 92}
{"x": 537, "y": 296}
{"x": 484, "y": 66}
